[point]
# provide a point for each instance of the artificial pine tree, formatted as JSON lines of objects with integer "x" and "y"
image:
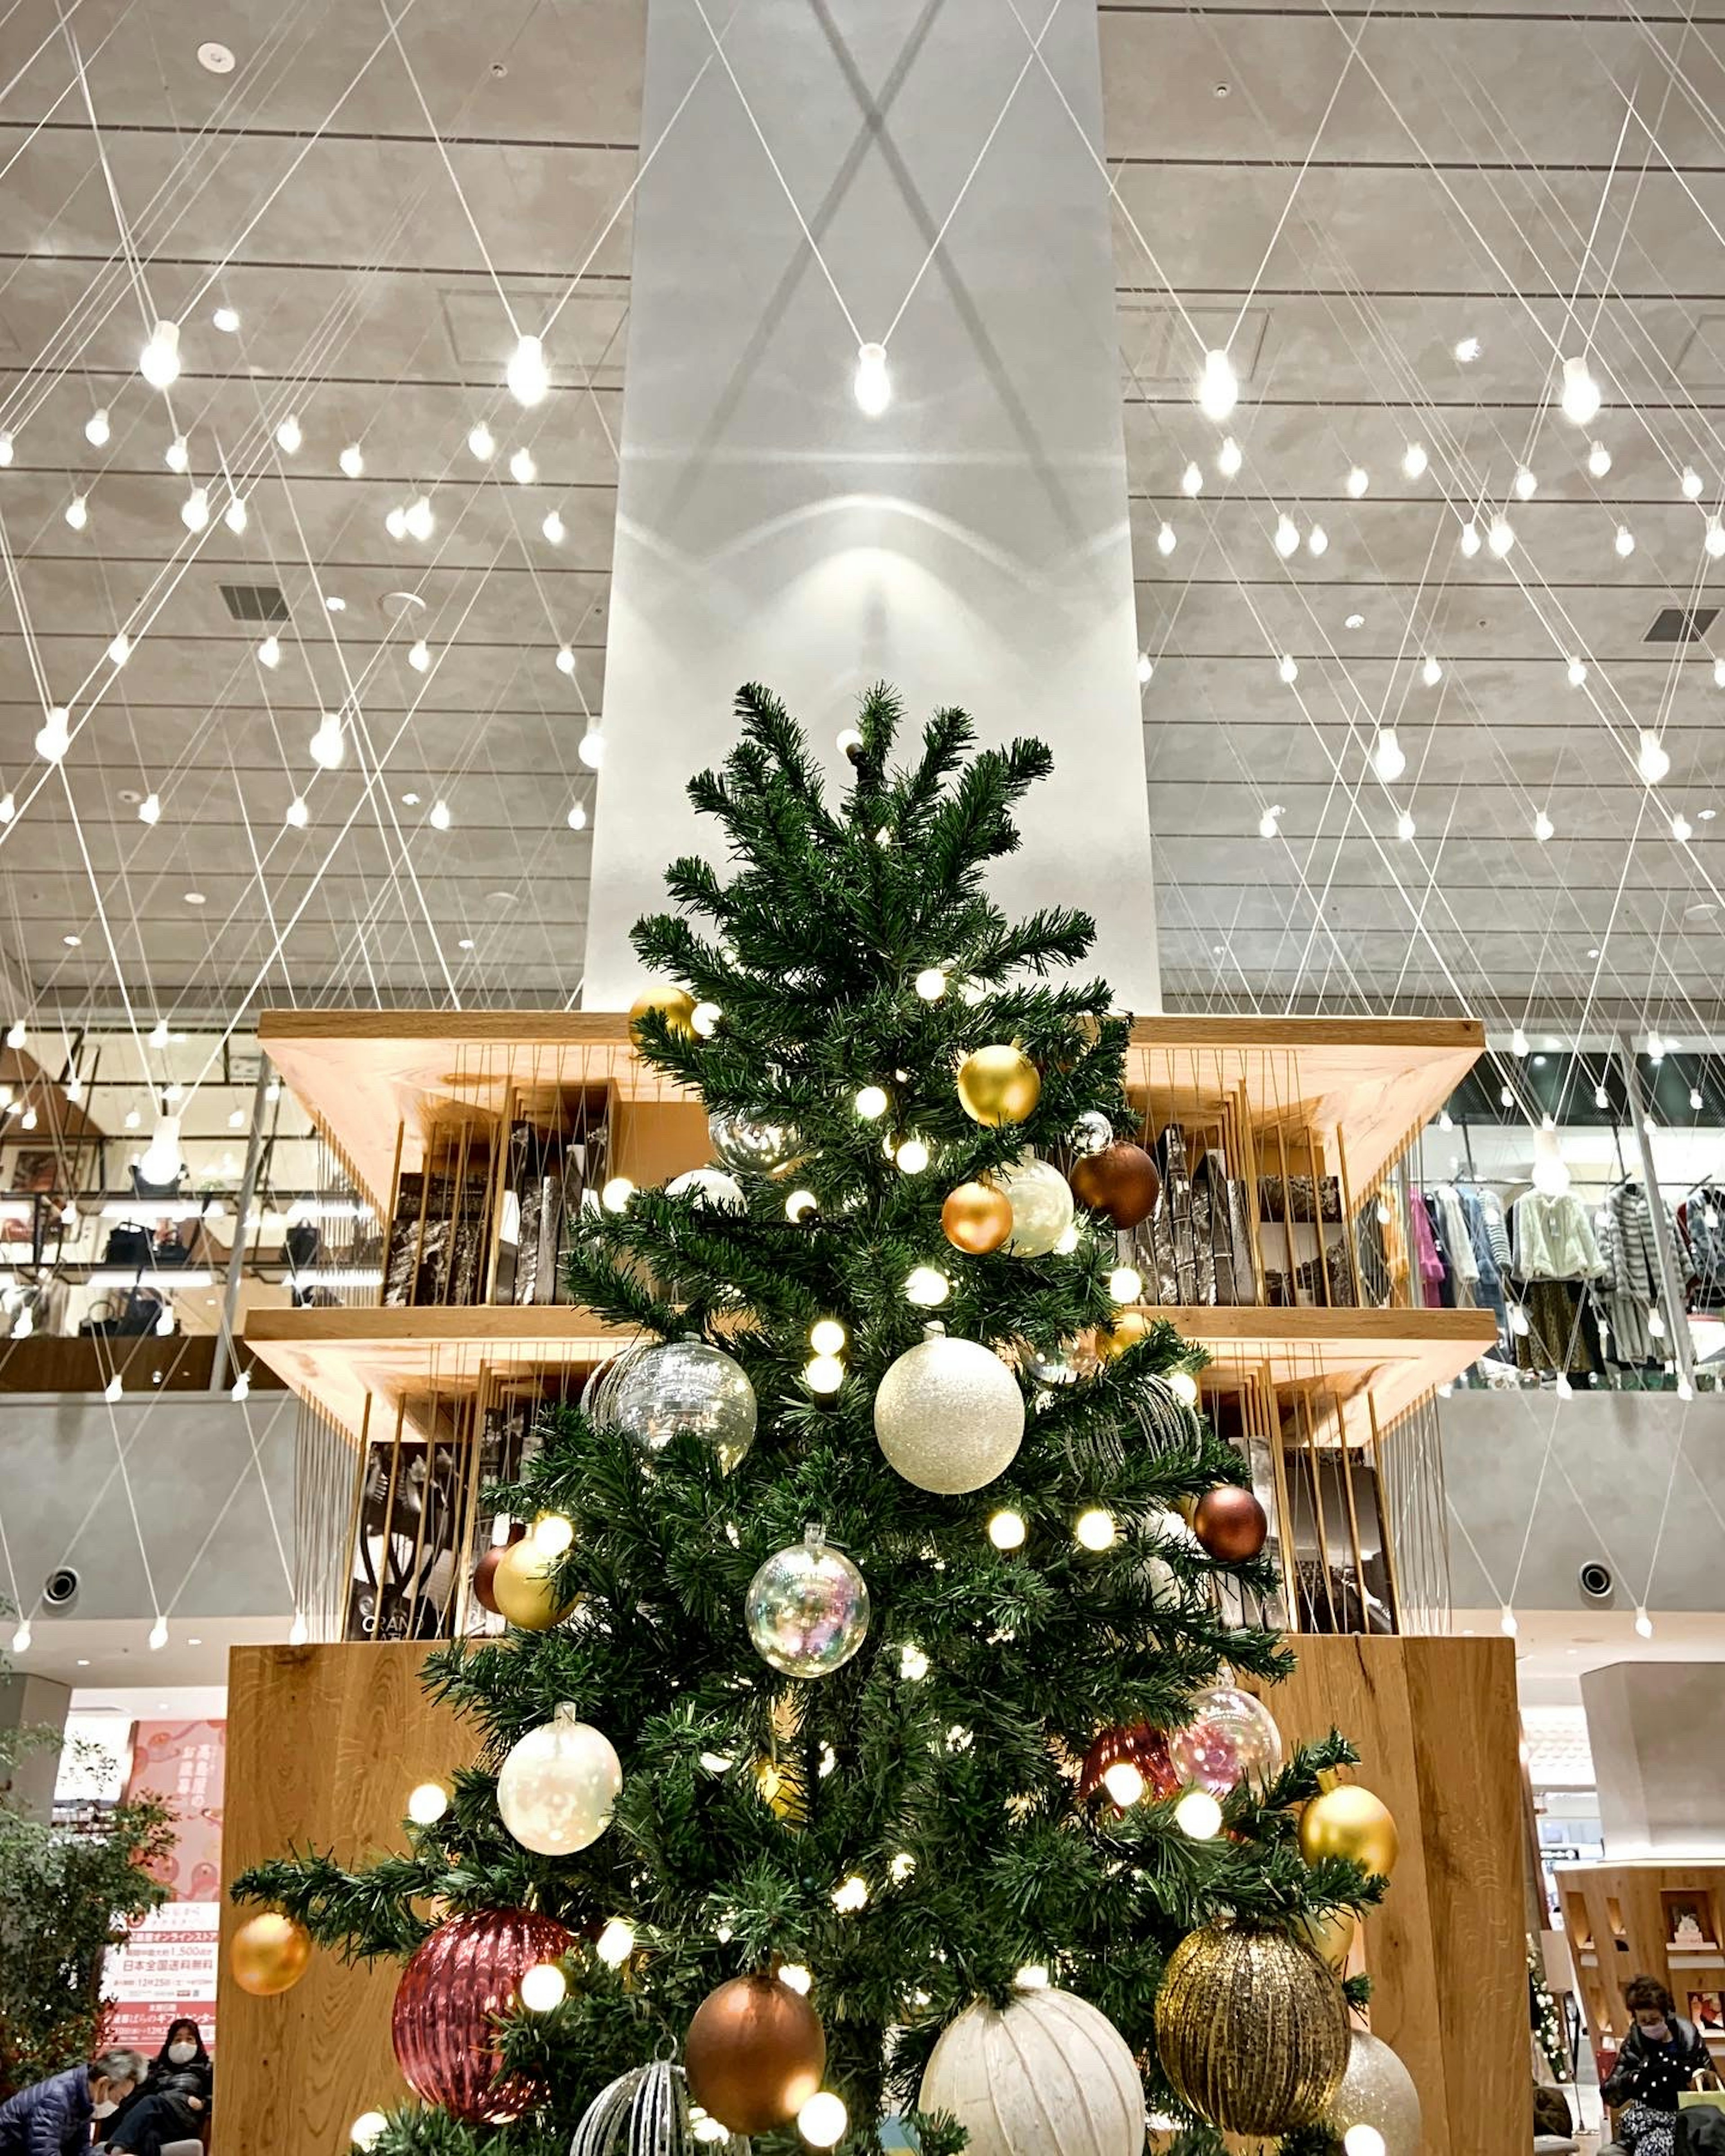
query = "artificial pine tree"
{"x": 924, "y": 1823}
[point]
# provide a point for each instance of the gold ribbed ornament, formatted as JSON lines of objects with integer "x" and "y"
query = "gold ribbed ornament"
{"x": 1251, "y": 2029}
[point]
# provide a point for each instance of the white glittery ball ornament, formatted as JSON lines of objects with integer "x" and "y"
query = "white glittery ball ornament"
{"x": 682, "y": 1386}
{"x": 709, "y": 1186}
{"x": 949, "y": 1415}
{"x": 558, "y": 1785}
{"x": 807, "y": 1608}
{"x": 1041, "y": 1201}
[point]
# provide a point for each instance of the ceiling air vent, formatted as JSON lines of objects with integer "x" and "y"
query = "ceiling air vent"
{"x": 264, "y": 602}
{"x": 1680, "y": 624}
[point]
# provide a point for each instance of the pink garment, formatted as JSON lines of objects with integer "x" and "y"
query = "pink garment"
{"x": 1426, "y": 1258}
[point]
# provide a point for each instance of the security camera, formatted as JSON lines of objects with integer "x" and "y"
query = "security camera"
{"x": 61, "y": 1587}
{"x": 1596, "y": 1580}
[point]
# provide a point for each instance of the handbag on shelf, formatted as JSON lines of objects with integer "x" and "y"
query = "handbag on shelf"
{"x": 1222, "y": 1220}
{"x": 128, "y": 1244}
{"x": 1180, "y": 1262}
{"x": 1295, "y": 1198}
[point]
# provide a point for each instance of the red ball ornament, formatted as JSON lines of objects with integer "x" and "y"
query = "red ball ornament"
{"x": 459, "y": 1979}
{"x": 1120, "y": 1181}
{"x": 1134, "y": 1745}
{"x": 1230, "y": 1523}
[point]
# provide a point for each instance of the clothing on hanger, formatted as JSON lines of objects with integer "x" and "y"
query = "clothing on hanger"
{"x": 1457, "y": 1245}
{"x": 1554, "y": 1238}
{"x": 1429, "y": 1267}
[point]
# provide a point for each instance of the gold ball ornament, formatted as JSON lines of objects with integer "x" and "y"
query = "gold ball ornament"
{"x": 1251, "y": 2028}
{"x": 977, "y": 1218}
{"x": 674, "y": 1004}
{"x": 1331, "y": 1935}
{"x": 754, "y": 2054}
{"x": 1127, "y": 1330}
{"x": 523, "y": 1588}
{"x": 268, "y": 1954}
{"x": 1350, "y": 1822}
{"x": 998, "y": 1085}
{"x": 1377, "y": 2091}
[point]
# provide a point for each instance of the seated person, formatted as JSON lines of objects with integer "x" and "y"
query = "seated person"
{"x": 1660, "y": 2055}
{"x": 53, "y": 2117}
{"x": 173, "y": 2103}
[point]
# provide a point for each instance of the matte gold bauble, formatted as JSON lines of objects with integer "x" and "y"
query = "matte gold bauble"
{"x": 780, "y": 1787}
{"x": 1120, "y": 1182}
{"x": 268, "y": 1954}
{"x": 1331, "y": 1935}
{"x": 998, "y": 1085}
{"x": 522, "y": 1587}
{"x": 1350, "y": 1822}
{"x": 1378, "y": 2091}
{"x": 754, "y": 2054}
{"x": 1251, "y": 2029}
{"x": 676, "y": 1006}
{"x": 1127, "y": 1330}
{"x": 977, "y": 1218}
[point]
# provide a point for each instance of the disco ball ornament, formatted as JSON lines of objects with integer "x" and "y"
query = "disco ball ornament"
{"x": 1251, "y": 2029}
{"x": 807, "y": 1608}
{"x": 676, "y": 1005}
{"x": 684, "y": 1386}
{"x": 754, "y": 2054}
{"x": 458, "y": 1981}
{"x": 557, "y": 1788}
{"x": 748, "y": 1148}
{"x": 645, "y": 2113}
{"x": 1231, "y": 1737}
{"x": 709, "y": 1186}
{"x": 1119, "y": 1754}
{"x": 1091, "y": 1133}
{"x": 998, "y": 1085}
{"x": 949, "y": 1415}
{"x": 270, "y": 1953}
{"x": 1046, "y": 2075}
{"x": 1041, "y": 1201}
{"x": 1377, "y": 2091}
{"x": 1121, "y": 1182}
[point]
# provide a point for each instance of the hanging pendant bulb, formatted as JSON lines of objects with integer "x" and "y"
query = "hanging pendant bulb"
{"x": 1388, "y": 761}
{"x": 119, "y": 648}
{"x": 1624, "y": 543}
{"x": 1404, "y": 826}
{"x": 1318, "y": 540}
{"x": 150, "y": 808}
{"x": 1577, "y": 672}
{"x": 592, "y": 751}
{"x": 1691, "y": 483}
{"x": 1682, "y": 830}
{"x": 1580, "y": 399}
{"x": 1357, "y": 480}
{"x": 419, "y": 521}
{"x": 159, "y": 361}
{"x": 56, "y": 736}
{"x": 1287, "y": 536}
{"x": 235, "y": 516}
{"x": 269, "y": 651}
{"x": 297, "y": 815}
{"x": 555, "y": 530}
{"x": 528, "y": 375}
{"x": 395, "y": 522}
{"x": 1719, "y": 673}
{"x": 96, "y": 429}
{"x": 1501, "y": 536}
{"x": 1431, "y": 672}
{"x": 482, "y": 442}
{"x": 1228, "y": 459}
{"x": 194, "y": 510}
{"x": 1652, "y": 762}
{"x": 352, "y": 461}
{"x": 1715, "y": 540}
{"x": 1288, "y": 669}
{"x": 1268, "y": 823}
{"x": 9, "y": 806}
{"x": 1218, "y": 386}
{"x": 420, "y": 655}
{"x": 1192, "y": 481}
{"x": 1470, "y": 538}
{"x": 872, "y": 385}
{"x": 1526, "y": 486}
{"x": 328, "y": 745}
{"x": 565, "y": 660}
{"x": 440, "y": 818}
{"x": 522, "y": 470}
{"x": 160, "y": 1161}
{"x": 6, "y": 449}
{"x": 1165, "y": 540}
{"x": 1145, "y": 669}
{"x": 177, "y": 455}
{"x": 78, "y": 512}
{"x": 1414, "y": 459}
{"x": 1543, "y": 827}
{"x": 289, "y": 435}
{"x": 1518, "y": 1043}
{"x": 1599, "y": 459}
{"x": 576, "y": 819}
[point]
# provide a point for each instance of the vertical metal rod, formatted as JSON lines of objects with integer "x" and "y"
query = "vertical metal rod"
{"x": 220, "y": 1360}
{"x": 1670, "y": 1288}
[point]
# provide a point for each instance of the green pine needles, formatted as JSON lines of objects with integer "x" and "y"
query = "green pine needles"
{"x": 938, "y": 1766}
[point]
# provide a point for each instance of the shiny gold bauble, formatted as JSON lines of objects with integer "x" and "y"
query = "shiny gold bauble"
{"x": 1331, "y": 1935}
{"x": 1127, "y": 1330}
{"x": 1378, "y": 2091}
{"x": 1251, "y": 2029}
{"x": 523, "y": 1587}
{"x": 1349, "y": 1821}
{"x": 268, "y": 1954}
{"x": 998, "y": 1085}
{"x": 754, "y": 2054}
{"x": 781, "y": 1788}
{"x": 674, "y": 1004}
{"x": 977, "y": 1218}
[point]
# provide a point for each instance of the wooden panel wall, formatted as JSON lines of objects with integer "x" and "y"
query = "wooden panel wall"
{"x": 325, "y": 1743}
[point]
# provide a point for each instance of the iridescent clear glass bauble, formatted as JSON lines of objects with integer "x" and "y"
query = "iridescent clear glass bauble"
{"x": 807, "y": 1608}
{"x": 1041, "y": 1201}
{"x": 1231, "y": 1738}
{"x": 557, "y": 1788}
{"x": 684, "y": 1386}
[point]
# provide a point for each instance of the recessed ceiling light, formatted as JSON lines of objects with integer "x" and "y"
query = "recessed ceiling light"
{"x": 1222, "y": 90}
{"x": 195, "y": 898}
{"x": 334, "y": 603}
{"x": 1355, "y": 621}
{"x": 218, "y": 59}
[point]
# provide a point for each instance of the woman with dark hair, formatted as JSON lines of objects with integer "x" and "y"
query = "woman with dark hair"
{"x": 1661, "y": 2055}
{"x": 173, "y": 2103}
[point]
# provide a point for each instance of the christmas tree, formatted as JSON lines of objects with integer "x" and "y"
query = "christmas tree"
{"x": 866, "y": 1733}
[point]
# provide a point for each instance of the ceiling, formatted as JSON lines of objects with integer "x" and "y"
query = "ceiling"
{"x": 1342, "y": 195}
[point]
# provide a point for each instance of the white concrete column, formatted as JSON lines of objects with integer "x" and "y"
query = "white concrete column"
{"x": 970, "y": 544}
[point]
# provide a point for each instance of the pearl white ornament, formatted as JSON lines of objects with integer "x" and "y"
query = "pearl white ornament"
{"x": 1047, "y": 2074}
{"x": 709, "y": 1186}
{"x": 558, "y": 1787}
{"x": 949, "y": 1415}
{"x": 1041, "y": 1201}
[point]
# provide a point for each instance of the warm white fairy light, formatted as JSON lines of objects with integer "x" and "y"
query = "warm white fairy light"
{"x": 1006, "y": 1529}
{"x": 1362, "y": 2139}
{"x": 528, "y": 375}
{"x": 1184, "y": 1387}
{"x": 616, "y": 1942}
{"x": 1228, "y": 459}
{"x": 1652, "y": 762}
{"x": 1094, "y": 1529}
{"x": 850, "y": 1894}
{"x": 1218, "y": 386}
{"x": 616, "y": 1194}
{"x": 871, "y": 1103}
{"x": 1191, "y": 480}
{"x": 800, "y": 1205}
{"x": 931, "y": 984}
{"x": 544, "y": 1987}
{"x": 522, "y": 470}
{"x": 427, "y": 1804}
{"x": 1500, "y": 535}
{"x": 872, "y": 384}
{"x": 1124, "y": 1783}
{"x": 289, "y": 435}
{"x": 1198, "y": 1815}
{"x": 1126, "y": 1284}
{"x": 591, "y": 748}
{"x": 913, "y": 1157}
{"x": 554, "y": 528}
{"x": 1287, "y": 666}
{"x": 1526, "y": 486}
{"x": 1166, "y": 541}
{"x": 1357, "y": 480}
{"x": 352, "y": 461}
{"x": 1414, "y": 459}
{"x": 481, "y": 442}
{"x": 1431, "y": 672}
{"x": 1580, "y": 399}
{"x": 1287, "y": 536}
{"x": 822, "y": 2120}
{"x": 1389, "y": 758}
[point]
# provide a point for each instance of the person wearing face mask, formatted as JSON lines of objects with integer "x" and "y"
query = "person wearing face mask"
{"x": 1661, "y": 2056}
{"x": 173, "y": 2104}
{"x": 55, "y": 2117}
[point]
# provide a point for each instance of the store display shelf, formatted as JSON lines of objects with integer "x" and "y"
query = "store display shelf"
{"x": 365, "y": 1077}
{"x": 336, "y": 1358}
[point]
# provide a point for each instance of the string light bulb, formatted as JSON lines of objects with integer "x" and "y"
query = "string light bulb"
{"x": 1192, "y": 481}
{"x": 1218, "y": 386}
{"x": 289, "y": 435}
{"x": 1414, "y": 459}
{"x": 822, "y": 2120}
{"x": 1357, "y": 480}
{"x": 1094, "y": 1529}
{"x": 1228, "y": 459}
{"x": 800, "y": 1206}
{"x": 932, "y": 983}
{"x": 704, "y": 1018}
{"x": 352, "y": 461}
{"x": 1362, "y": 2139}
{"x": 1389, "y": 758}
{"x": 1581, "y": 400}
{"x": 616, "y": 1942}
{"x": 1519, "y": 1043}
{"x": 159, "y": 361}
{"x": 1124, "y": 1783}
{"x": 926, "y": 1287}
{"x": 912, "y": 1156}
{"x": 616, "y": 1194}
{"x": 872, "y": 385}
{"x": 826, "y": 1336}
{"x": 871, "y": 1103}
{"x": 1652, "y": 762}
{"x": 544, "y": 1987}
{"x": 161, "y": 1160}
{"x": 177, "y": 455}
{"x": 1431, "y": 672}
{"x": 1199, "y": 1815}
{"x": 481, "y": 442}
{"x": 850, "y": 1894}
{"x": 427, "y": 1804}
{"x": 1126, "y": 1284}
{"x": 824, "y": 1374}
{"x": 1007, "y": 1529}
{"x": 526, "y": 374}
